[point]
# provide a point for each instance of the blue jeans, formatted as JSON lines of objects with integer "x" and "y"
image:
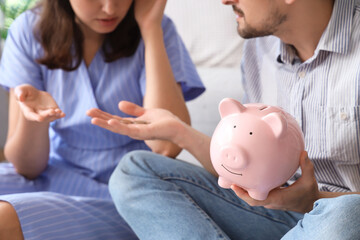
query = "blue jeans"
{"x": 163, "y": 198}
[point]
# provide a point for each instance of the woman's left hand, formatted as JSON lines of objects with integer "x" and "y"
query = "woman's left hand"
{"x": 149, "y": 13}
{"x": 298, "y": 197}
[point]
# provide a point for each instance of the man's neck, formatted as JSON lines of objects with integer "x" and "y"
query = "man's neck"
{"x": 304, "y": 29}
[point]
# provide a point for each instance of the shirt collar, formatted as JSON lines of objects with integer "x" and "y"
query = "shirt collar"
{"x": 336, "y": 36}
{"x": 287, "y": 53}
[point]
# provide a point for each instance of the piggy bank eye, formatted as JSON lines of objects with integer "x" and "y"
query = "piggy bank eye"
{"x": 251, "y": 133}
{"x": 234, "y": 126}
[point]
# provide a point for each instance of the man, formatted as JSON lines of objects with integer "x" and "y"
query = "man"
{"x": 309, "y": 49}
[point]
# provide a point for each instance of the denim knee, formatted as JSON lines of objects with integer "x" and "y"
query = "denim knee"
{"x": 344, "y": 210}
{"x": 330, "y": 219}
{"x": 338, "y": 217}
{"x": 130, "y": 162}
{"x": 127, "y": 168}
{"x": 342, "y": 217}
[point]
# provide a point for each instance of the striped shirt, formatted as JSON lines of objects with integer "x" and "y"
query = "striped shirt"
{"x": 322, "y": 93}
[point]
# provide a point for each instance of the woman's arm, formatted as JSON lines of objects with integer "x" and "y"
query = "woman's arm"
{"x": 162, "y": 91}
{"x": 27, "y": 144}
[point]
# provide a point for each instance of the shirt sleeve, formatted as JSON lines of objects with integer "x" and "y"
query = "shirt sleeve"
{"x": 182, "y": 65}
{"x": 18, "y": 62}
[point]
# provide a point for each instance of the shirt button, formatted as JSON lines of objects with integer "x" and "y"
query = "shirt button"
{"x": 343, "y": 116}
{"x": 302, "y": 74}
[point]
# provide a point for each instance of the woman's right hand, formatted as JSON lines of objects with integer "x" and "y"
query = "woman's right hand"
{"x": 149, "y": 13}
{"x": 36, "y": 105}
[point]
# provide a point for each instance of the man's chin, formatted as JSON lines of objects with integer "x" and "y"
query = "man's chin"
{"x": 247, "y": 34}
{"x": 244, "y": 34}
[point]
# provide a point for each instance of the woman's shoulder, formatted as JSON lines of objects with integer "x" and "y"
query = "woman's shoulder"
{"x": 24, "y": 24}
{"x": 167, "y": 23}
{"x": 27, "y": 18}
{"x": 169, "y": 28}
{"x": 21, "y": 39}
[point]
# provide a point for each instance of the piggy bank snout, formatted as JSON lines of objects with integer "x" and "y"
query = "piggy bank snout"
{"x": 234, "y": 157}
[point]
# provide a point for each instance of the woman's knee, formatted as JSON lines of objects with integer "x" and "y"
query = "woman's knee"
{"x": 9, "y": 222}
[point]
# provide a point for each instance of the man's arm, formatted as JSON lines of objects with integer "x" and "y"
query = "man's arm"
{"x": 160, "y": 124}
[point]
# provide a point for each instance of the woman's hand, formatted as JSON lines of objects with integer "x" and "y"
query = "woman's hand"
{"x": 299, "y": 197}
{"x": 149, "y": 124}
{"x": 36, "y": 105}
{"x": 149, "y": 13}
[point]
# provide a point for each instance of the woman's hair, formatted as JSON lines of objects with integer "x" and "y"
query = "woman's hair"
{"x": 62, "y": 39}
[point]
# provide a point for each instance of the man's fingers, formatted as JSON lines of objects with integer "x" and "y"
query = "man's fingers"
{"x": 97, "y": 113}
{"x": 122, "y": 126}
{"x": 244, "y": 195}
{"x": 133, "y": 130}
{"x": 241, "y": 193}
{"x": 307, "y": 167}
{"x": 102, "y": 123}
{"x": 131, "y": 108}
{"x": 113, "y": 125}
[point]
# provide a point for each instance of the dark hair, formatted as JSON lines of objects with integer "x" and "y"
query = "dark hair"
{"x": 62, "y": 39}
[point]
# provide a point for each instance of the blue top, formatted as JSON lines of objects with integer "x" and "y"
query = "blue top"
{"x": 75, "y": 142}
{"x": 322, "y": 93}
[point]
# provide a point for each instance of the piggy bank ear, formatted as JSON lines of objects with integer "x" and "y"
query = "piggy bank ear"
{"x": 229, "y": 106}
{"x": 277, "y": 122}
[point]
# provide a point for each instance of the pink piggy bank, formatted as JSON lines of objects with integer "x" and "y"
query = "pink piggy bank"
{"x": 255, "y": 146}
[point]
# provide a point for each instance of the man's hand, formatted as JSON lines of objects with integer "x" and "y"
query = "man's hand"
{"x": 38, "y": 106}
{"x": 298, "y": 197}
{"x": 149, "y": 124}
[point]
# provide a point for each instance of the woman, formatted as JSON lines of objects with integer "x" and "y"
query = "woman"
{"x": 61, "y": 59}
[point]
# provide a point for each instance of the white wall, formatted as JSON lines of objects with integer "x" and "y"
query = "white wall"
{"x": 208, "y": 29}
